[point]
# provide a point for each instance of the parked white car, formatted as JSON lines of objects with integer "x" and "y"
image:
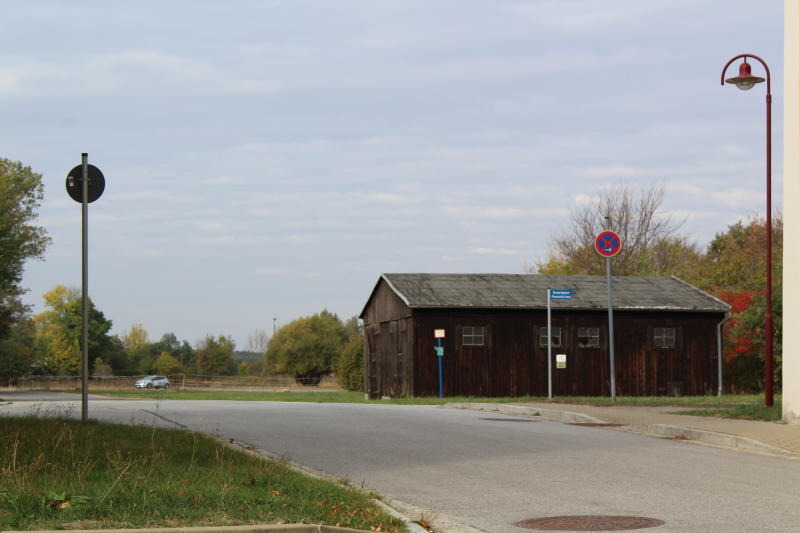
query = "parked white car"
{"x": 152, "y": 382}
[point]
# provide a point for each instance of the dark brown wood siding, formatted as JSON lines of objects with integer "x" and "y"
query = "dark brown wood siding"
{"x": 513, "y": 361}
{"x": 388, "y": 345}
{"x": 384, "y": 305}
{"x": 503, "y": 366}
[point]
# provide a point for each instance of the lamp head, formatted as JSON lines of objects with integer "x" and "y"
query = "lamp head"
{"x": 745, "y": 80}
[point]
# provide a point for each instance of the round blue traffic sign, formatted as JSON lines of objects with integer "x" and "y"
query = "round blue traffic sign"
{"x": 608, "y": 244}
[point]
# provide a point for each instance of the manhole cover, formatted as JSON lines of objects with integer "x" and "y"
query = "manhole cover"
{"x": 589, "y": 523}
{"x": 509, "y": 419}
{"x": 595, "y": 425}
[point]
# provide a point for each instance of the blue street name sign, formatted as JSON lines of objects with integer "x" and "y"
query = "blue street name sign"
{"x": 561, "y": 294}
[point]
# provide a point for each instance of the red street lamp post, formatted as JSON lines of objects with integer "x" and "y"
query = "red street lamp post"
{"x": 745, "y": 81}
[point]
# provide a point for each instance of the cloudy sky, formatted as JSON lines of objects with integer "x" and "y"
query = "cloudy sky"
{"x": 271, "y": 158}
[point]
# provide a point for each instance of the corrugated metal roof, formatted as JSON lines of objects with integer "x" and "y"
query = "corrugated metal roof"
{"x": 529, "y": 291}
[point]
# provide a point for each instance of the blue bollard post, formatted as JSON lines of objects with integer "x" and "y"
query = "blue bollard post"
{"x": 440, "y": 356}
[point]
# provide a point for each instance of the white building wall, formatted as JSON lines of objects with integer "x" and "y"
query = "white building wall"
{"x": 791, "y": 213}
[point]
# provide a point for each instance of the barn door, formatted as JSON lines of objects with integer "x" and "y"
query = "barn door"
{"x": 396, "y": 362}
{"x": 402, "y": 378}
{"x": 373, "y": 370}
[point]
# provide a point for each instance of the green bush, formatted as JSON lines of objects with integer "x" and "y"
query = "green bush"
{"x": 306, "y": 348}
{"x": 350, "y": 366}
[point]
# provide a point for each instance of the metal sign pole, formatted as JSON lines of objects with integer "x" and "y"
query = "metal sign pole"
{"x": 719, "y": 358}
{"x": 608, "y": 244}
{"x": 85, "y": 285}
{"x": 439, "y": 357}
{"x": 611, "y": 332}
{"x": 549, "y": 350}
{"x": 85, "y": 193}
{"x": 439, "y": 334}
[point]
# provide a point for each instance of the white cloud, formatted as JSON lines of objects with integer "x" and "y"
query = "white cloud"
{"x": 614, "y": 172}
{"x": 270, "y": 272}
{"x": 495, "y": 251}
{"x": 391, "y": 198}
{"x": 735, "y": 197}
{"x": 10, "y": 79}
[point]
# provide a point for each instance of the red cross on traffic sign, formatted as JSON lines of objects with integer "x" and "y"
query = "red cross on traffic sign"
{"x": 608, "y": 243}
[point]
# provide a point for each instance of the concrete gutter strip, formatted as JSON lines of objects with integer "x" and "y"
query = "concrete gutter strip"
{"x": 438, "y": 521}
{"x": 722, "y": 440}
{"x": 395, "y": 509}
{"x": 523, "y": 410}
{"x": 713, "y": 438}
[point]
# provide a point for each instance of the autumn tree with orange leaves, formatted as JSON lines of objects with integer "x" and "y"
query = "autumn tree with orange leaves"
{"x": 735, "y": 271}
{"x": 732, "y": 267}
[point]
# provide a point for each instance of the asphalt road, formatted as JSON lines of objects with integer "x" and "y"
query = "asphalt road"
{"x": 489, "y": 470}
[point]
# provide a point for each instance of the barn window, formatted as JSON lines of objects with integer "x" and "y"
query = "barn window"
{"x": 556, "y": 340}
{"x": 588, "y": 337}
{"x": 664, "y": 337}
{"x": 472, "y": 336}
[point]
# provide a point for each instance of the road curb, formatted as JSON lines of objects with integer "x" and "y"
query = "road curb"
{"x": 522, "y": 410}
{"x": 711, "y": 438}
{"x": 722, "y": 440}
{"x": 394, "y": 508}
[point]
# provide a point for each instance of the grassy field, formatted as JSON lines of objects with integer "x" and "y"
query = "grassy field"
{"x": 731, "y": 406}
{"x": 64, "y": 474}
{"x": 358, "y": 397}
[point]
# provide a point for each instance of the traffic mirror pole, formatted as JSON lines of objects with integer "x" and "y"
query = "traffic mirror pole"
{"x": 85, "y": 284}
{"x": 91, "y": 187}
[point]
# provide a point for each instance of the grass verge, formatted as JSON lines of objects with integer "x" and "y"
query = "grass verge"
{"x": 65, "y": 474}
{"x": 751, "y": 411}
{"x": 728, "y": 406}
{"x": 358, "y": 397}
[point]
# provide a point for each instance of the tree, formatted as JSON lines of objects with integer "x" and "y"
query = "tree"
{"x": 736, "y": 258}
{"x": 257, "y": 341}
{"x": 350, "y": 364}
{"x": 166, "y": 363}
{"x": 102, "y": 369}
{"x": 243, "y": 369}
{"x": 21, "y": 192}
{"x": 256, "y": 367}
{"x": 732, "y": 268}
{"x": 306, "y": 348}
{"x": 215, "y": 356}
{"x": 135, "y": 341}
{"x": 137, "y": 348}
{"x": 59, "y": 330}
{"x": 735, "y": 271}
{"x": 117, "y": 358}
{"x": 651, "y": 245}
{"x": 180, "y": 350}
{"x": 16, "y": 351}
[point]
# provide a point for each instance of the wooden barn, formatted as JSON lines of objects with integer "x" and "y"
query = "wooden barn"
{"x": 665, "y": 336}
